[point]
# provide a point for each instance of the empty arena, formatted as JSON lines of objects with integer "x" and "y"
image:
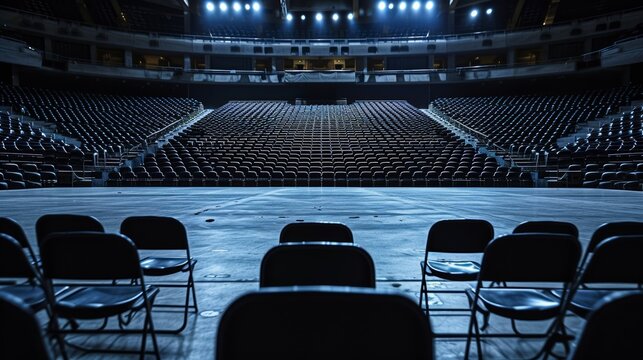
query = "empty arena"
{"x": 342, "y": 179}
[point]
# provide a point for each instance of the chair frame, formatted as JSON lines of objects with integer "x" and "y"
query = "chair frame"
{"x": 131, "y": 228}
{"x": 56, "y": 265}
{"x": 441, "y": 231}
{"x": 555, "y": 332}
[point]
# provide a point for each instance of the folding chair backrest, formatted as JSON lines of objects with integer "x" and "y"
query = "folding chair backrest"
{"x": 549, "y": 227}
{"x": 323, "y": 323}
{"x": 317, "y": 264}
{"x": 155, "y": 232}
{"x": 614, "y": 229}
{"x": 315, "y": 232}
{"x": 20, "y": 333}
{"x": 12, "y": 228}
{"x": 531, "y": 257}
{"x": 13, "y": 261}
{"x": 613, "y": 329}
{"x": 459, "y": 236}
{"x": 89, "y": 256}
{"x": 53, "y": 223}
{"x": 618, "y": 259}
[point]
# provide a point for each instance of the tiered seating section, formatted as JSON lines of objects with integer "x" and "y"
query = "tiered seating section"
{"x": 103, "y": 123}
{"x": 532, "y": 122}
{"x": 27, "y": 156}
{"x": 610, "y": 157}
{"x": 526, "y": 125}
{"x": 384, "y": 143}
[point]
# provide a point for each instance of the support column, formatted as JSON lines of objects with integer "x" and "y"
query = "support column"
{"x": 129, "y": 62}
{"x": 511, "y": 56}
{"x": 208, "y": 61}
{"x": 187, "y": 62}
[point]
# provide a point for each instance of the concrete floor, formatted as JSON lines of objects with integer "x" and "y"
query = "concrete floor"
{"x": 231, "y": 228}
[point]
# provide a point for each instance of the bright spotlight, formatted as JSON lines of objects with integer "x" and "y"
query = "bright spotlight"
{"x": 473, "y": 13}
{"x": 416, "y": 6}
{"x": 335, "y": 17}
{"x": 236, "y": 7}
{"x": 209, "y": 6}
{"x": 391, "y": 6}
{"x": 223, "y": 6}
{"x": 289, "y": 17}
{"x": 489, "y": 11}
{"x": 402, "y": 5}
{"x": 350, "y": 16}
{"x": 381, "y": 5}
{"x": 319, "y": 17}
{"x": 256, "y": 6}
{"x": 303, "y": 17}
{"x": 247, "y": 7}
{"x": 429, "y": 5}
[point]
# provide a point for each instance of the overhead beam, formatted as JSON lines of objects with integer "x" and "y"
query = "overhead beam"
{"x": 513, "y": 22}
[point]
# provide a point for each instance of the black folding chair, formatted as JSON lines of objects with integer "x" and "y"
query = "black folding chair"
{"x": 10, "y": 227}
{"x": 613, "y": 329}
{"x": 605, "y": 231}
{"x": 21, "y": 336}
{"x": 101, "y": 259}
{"x": 54, "y": 223}
{"x": 323, "y": 323}
{"x": 317, "y": 264}
{"x": 164, "y": 234}
{"x": 14, "y": 264}
{"x": 549, "y": 227}
{"x": 524, "y": 258}
{"x": 458, "y": 236}
{"x": 315, "y": 232}
{"x": 616, "y": 262}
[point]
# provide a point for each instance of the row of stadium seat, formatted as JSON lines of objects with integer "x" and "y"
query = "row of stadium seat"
{"x": 531, "y": 122}
{"x": 103, "y": 123}
{"x": 277, "y": 144}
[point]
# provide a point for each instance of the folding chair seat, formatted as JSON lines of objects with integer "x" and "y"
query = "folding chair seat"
{"x": 315, "y": 232}
{"x": 613, "y": 329}
{"x": 100, "y": 259}
{"x": 151, "y": 233}
{"x": 315, "y": 322}
{"x": 458, "y": 236}
{"x": 22, "y": 336}
{"x": 317, "y": 263}
{"x": 524, "y": 258}
{"x": 49, "y": 224}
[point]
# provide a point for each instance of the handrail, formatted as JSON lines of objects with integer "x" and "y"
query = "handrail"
{"x": 295, "y": 40}
{"x": 157, "y": 134}
{"x": 484, "y": 137}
